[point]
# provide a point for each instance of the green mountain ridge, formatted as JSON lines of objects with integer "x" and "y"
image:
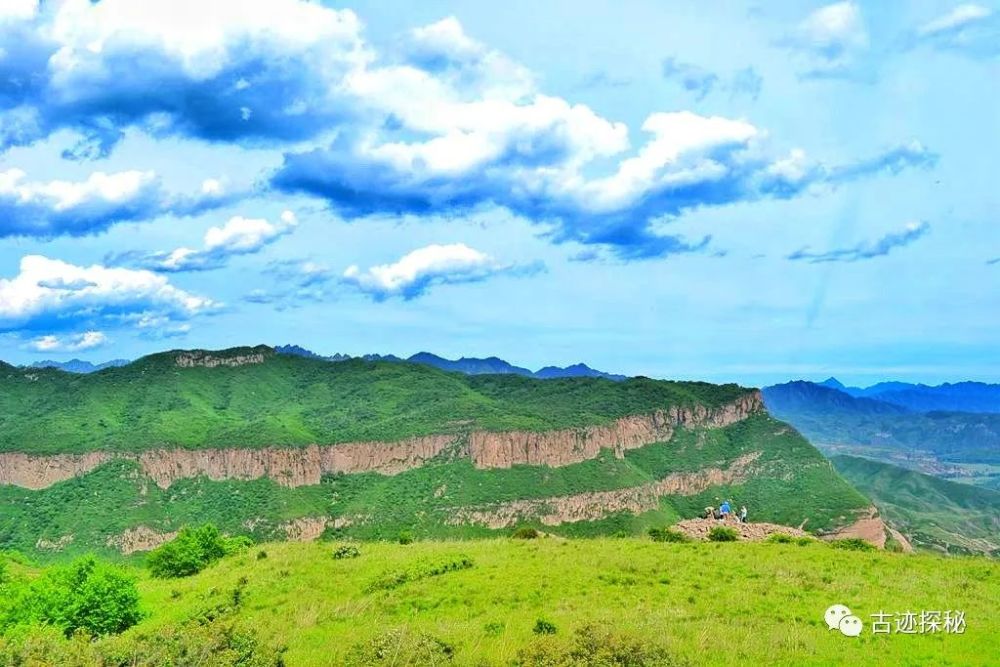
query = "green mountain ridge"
{"x": 934, "y": 514}
{"x": 250, "y": 398}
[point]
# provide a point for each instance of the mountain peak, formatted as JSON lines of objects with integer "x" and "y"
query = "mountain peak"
{"x": 833, "y": 383}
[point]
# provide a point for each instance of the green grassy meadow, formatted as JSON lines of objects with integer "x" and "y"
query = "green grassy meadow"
{"x": 696, "y": 604}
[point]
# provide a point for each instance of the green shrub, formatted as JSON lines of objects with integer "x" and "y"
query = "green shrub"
{"x": 400, "y": 647}
{"x": 210, "y": 638}
{"x": 405, "y": 537}
{"x": 526, "y": 533}
{"x": 891, "y": 544}
{"x": 494, "y": 628}
{"x": 88, "y": 595}
{"x": 722, "y": 534}
{"x": 544, "y": 627}
{"x": 416, "y": 571}
{"x": 346, "y": 551}
{"x": 780, "y": 538}
{"x": 192, "y": 551}
{"x": 667, "y": 535}
{"x": 592, "y": 646}
{"x": 853, "y": 544}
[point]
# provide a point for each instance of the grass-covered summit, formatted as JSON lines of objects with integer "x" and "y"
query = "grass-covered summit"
{"x": 273, "y": 399}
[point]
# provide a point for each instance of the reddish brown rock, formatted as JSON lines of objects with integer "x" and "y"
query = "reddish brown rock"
{"x": 140, "y": 538}
{"x": 598, "y": 504}
{"x": 39, "y": 472}
{"x": 300, "y": 466}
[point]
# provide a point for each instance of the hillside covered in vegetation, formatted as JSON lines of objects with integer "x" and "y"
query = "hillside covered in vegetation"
{"x": 935, "y": 514}
{"x": 282, "y": 447}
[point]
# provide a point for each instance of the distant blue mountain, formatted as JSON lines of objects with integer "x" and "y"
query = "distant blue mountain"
{"x": 575, "y": 371}
{"x": 297, "y": 351}
{"x": 78, "y": 365}
{"x": 958, "y": 397}
{"x": 800, "y": 396}
{"x": 467, "y": 365}
{"x": 470, "y": 365}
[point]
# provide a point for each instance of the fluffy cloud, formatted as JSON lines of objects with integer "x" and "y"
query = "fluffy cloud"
{"x": 418, "y": 270}
{"x": 49, "y": 295}
{"x": 53, "y": 208}
{"x": 444, "y": 124}
{"x": 969, "y": 28}
{"x": 257, "y": 70}
{"x": 239, "y": 236}
{"x": 866, "y": 249}
{"x": 87, "y": 340}
{"x": 689, "y": 161}
{"x": 830, "y": 38}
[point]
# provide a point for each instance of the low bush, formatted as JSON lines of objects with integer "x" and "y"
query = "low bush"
{"x": 192, "y": 551}
{"x": 667, "y": 535}
{"x": 417, "y": 571}
{"x": 593, "y": 646}
{"x": 400, "y": 647}
{"x": 722, "y": 534}
{"x": 86, "y": 595}
{"x": 853, "y": 544}
{"x": 526, "y": 533}
{"x": 544, "y": 627}
{"x": 346, "y": 551}
{"x": 405, "y": 537}
{"x": 780, "y": 538}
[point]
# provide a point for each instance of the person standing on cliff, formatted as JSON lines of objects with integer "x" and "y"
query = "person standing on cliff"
{"x": 725, "y": 510}
{"x": 743, "y": 514}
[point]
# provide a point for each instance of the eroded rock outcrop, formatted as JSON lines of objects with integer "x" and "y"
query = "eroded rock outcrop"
{"x": 598, "y": 504}
{"x": 567, "y": 446}
{"x": 699, "y": 529}
{"x": 194, "y": 359}
{"x": 300, "y": 466}
{"x": 140, "y": 538}
{"x": 38, "y": 472}
{"x": 872, "y": 529}
{"x": 54, "y": 545}
{"x": 291, "y": 466}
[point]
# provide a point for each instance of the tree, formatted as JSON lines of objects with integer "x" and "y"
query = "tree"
{"x": 87, "y": 594}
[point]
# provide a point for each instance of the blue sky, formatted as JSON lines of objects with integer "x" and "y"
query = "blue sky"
{"x": 722, "y": 191}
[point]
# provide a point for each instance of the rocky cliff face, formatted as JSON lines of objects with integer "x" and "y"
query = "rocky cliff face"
{"x": 292, "y": 467}
{"x": 140, "y": 538}
{"x": 568, "y": 446}
{"x": 300, "y": 466}
{"x": 39, "y": 472}
{"x": 596, "y": 505}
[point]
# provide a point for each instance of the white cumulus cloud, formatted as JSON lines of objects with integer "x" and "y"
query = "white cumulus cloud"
{"x": 87, "y": 340}
{"x": 239, "y": 236}
{"x": 50, "y": 295}
{"x": 63, "y": 207}
{"x": 958, "y": 17}
{"x": 415, "y": 272}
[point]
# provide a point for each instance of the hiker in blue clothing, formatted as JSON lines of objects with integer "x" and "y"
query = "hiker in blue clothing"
{"x": 725, "y": 510}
